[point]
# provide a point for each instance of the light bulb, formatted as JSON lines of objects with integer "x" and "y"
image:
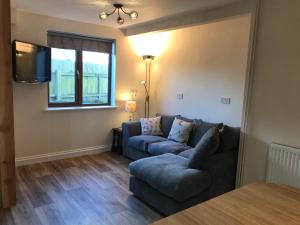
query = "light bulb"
{"x": 103, "y": 16}
{"x": 143, "y": 82}
{"x": 120, "y": 21}
{"x": 133, "y": 15}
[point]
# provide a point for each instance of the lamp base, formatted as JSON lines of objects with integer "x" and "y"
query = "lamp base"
{"x": 131, "y": 117}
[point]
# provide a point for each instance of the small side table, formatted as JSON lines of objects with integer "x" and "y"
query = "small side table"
{"x": 117, "y": 140}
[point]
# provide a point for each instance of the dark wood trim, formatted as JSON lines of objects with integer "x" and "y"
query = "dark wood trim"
{"x": 7, "y": 145}
{"x": 109, "y": 78}
{"x": 79, "y": 79}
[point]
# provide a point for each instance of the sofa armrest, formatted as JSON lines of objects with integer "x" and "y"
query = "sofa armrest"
{"x": 222, "y": 167}
{"x": 130, "y": 129}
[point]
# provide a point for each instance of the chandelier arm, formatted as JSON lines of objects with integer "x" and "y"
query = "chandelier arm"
{"x": 108, "y": 14}
{"x": 127, "y": 13}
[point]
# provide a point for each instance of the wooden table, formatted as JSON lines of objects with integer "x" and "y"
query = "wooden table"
{"x": 257, "y": 203}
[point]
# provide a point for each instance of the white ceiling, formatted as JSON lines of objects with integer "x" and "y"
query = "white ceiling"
{"x": 88, "y": 10}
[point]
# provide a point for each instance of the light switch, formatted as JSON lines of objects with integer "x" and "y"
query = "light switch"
{"x": 180, "y": 96}
{"x": 225, "y": 101}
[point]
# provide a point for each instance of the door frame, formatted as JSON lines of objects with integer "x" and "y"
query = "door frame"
{"x": 7, "y": 145}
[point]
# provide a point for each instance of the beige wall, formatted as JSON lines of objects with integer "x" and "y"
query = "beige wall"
{"x": 275, "y": 107}
{"x": 38, "y": 131}
{"x": 205, "y": 63}
{"x": 216, "y": 69}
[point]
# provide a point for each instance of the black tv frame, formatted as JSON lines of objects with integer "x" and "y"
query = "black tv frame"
{"x": 14, "y": 51}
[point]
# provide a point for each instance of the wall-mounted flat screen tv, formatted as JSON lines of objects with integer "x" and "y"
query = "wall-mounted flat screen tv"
{"x": 31, "y": 63}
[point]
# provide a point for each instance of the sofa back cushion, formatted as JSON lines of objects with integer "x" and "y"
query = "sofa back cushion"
{"x": 204, "y": 149}
{"x": 229, "y": 139}
{"x": 185, "y": 119}
{"x": 199, "y": 129}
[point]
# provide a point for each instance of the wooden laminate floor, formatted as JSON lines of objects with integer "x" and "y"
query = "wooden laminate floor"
{"x": 88, "y": 190}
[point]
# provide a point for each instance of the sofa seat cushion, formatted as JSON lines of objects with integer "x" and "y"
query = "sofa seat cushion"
{"x": 168, "y": 174}
{"x": 141, "y": 142}
{"x": 187, "y": 153}
{"x": 169, "y": 146}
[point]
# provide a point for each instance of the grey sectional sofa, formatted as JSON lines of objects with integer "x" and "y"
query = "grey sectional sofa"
{"x": 160, "y": 175}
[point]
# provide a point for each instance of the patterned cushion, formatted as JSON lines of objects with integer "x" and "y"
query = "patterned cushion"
{"x": 151, "y": 126}
{"x": 180, "y": 131}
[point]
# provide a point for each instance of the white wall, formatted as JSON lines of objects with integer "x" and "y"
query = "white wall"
{"x": 205, "y": 63}
{"x": 274, "y": 114}
{"x": 38, "y": 131}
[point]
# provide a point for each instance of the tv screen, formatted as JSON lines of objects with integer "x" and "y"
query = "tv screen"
{"x": 31, "y": 63}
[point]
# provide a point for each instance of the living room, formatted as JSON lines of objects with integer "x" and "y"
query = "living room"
{"x": 217, "y": 62}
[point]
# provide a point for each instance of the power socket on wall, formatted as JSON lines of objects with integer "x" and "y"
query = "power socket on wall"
{"x": 226, "y": 101}
{"x": 179, "y": 96}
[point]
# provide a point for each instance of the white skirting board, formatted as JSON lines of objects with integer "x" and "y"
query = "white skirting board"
{"x": 21, "y": 161}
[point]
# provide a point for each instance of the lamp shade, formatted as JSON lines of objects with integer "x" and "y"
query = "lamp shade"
{"x": 130, "y": 106}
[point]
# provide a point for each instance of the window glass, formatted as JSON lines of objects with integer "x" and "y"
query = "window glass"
{"x": 95, "y": 83}
{"x": 63, "y": 71}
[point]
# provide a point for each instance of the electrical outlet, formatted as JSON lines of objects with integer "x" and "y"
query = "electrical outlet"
{"x": 226, "y": 101}
{"x": 180, "y": 96}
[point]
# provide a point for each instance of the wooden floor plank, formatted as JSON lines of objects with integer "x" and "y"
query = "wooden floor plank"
{"x": 87, "y": 190}
{"x": 50, "y": 215}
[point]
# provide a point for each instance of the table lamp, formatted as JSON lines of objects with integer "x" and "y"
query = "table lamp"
{"x": 130, "y": 106}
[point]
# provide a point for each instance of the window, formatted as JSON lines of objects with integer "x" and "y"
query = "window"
{"x": 81, "y": 71}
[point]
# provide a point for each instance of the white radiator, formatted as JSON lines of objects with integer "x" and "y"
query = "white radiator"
{"x": 283, "y": 165}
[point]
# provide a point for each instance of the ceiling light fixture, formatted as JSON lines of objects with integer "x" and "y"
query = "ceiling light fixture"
{"x": 119, "y": 7}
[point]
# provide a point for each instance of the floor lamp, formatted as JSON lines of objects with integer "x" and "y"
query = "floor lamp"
{"x": 148, "y": 59}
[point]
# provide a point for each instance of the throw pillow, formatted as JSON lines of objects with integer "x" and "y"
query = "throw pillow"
{"x": 166, "y": 123}
{"x": 199, "y": 129}
{"x": 151, "y": 126}
{"x": 180, "y": 131}
{"x": 207, "y": 146}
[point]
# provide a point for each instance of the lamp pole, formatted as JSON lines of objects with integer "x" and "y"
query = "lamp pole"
{"x": 147, "y": 84}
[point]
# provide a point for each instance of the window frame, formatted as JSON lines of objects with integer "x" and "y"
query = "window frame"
{"x": 79, "y": 83}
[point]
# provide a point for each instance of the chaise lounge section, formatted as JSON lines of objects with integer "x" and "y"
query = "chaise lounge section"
{"x": 161, "y": 175}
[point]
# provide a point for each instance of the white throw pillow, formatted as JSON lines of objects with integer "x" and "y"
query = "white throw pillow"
{"x": 151, "y": 126}
{"x": 180, "y": 131}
